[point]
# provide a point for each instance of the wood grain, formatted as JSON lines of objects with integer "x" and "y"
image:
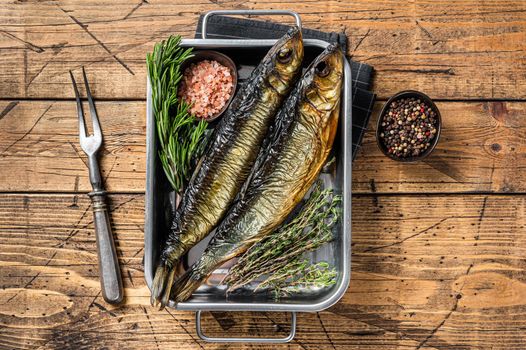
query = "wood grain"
{"x": 40, "y": 151}
{"x": 431, "y": 272}
{"x": 437, "y": 247}
{"x": 460, "y": 50}
{"x": 482, "y": 148}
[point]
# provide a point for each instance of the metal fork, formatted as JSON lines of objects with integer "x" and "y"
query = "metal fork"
{"x": 110, "y": 274}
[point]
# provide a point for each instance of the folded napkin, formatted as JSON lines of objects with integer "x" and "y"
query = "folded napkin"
{"x": 221, "y": 27}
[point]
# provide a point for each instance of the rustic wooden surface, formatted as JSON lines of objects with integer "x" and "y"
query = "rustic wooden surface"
{"x": 438, "y": 248}
{"x": 483, "y": 150}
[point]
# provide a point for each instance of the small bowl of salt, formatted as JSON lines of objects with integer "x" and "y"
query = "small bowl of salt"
{"x": 208, "y": 83}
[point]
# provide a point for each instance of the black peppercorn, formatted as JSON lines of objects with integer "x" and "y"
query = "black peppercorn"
{"x": 407, "y": 128}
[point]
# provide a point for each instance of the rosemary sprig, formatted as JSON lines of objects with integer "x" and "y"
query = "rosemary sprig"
{"x": 180, "y": 134}
{"x": 280, "y": 254}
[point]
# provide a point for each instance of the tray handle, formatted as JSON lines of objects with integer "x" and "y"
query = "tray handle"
{"x": 248, "y": 12}
{"x": 206, "y": 338}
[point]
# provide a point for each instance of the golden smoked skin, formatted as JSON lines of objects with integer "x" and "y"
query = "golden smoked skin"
{"x": 229, "y": 156}
{"x": 284, "y": 170}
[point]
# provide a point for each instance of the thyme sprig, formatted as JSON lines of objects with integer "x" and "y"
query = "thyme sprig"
{"x": 280, "y": 255}
{"x": 180, "y": 134}
{"x": 299, "y": 274}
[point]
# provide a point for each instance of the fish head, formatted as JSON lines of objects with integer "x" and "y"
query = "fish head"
{"x": 326, "y": 73}
{"x": 286, "y": 57}
{"x": 322, "y": 85}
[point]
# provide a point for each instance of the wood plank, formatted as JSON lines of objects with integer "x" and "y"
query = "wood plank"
{"x": 40, "y": 151}
{"x": 460, "y": 50}
{"x": 427, "y": 272}
{"x": 482, "y": 149}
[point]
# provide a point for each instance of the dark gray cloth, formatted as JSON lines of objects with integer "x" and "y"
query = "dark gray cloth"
{"x": 363, "y": 99}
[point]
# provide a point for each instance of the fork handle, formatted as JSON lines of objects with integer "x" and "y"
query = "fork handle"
{"x": 110, "y": 274}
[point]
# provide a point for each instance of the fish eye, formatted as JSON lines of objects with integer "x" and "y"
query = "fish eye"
{"x": 284, "y": 55}
{"x": 322, "y": 69}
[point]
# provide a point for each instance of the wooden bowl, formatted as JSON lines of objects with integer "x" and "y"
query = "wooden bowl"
{"x": 385, "y": 108}
{"x": 224, "y": 60}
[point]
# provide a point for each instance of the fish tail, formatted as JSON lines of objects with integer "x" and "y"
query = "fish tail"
{"x": 187, "y": 284}
{"x": 162, "y": 284}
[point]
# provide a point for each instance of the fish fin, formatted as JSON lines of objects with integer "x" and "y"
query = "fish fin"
{"x": 158, "y": 284}
{"x": 187, "y": 284}
{"x": 162, "y": 285}
{"x": 216, "y": 254}
{"x": 169, "y": 284}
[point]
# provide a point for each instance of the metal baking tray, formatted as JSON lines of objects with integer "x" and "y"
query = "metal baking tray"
{"x": 159, "y": 201}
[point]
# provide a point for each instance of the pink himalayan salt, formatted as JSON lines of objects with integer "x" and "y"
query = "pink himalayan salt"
{"x": 206, "y": 86}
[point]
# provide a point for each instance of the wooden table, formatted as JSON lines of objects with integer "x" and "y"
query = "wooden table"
{"x": 438, "y": 248}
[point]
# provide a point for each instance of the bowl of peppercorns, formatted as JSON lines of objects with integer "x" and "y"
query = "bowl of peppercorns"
{"x": 408, "y": 127}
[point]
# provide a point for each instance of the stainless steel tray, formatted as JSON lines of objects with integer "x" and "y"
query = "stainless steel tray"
{"x": 159, "y": 200}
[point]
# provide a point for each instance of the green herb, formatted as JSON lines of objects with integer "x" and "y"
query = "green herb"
{"x": 180, "y": 134}
{"x": 280, "y": 254}
{"x": 299, "y": 274}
